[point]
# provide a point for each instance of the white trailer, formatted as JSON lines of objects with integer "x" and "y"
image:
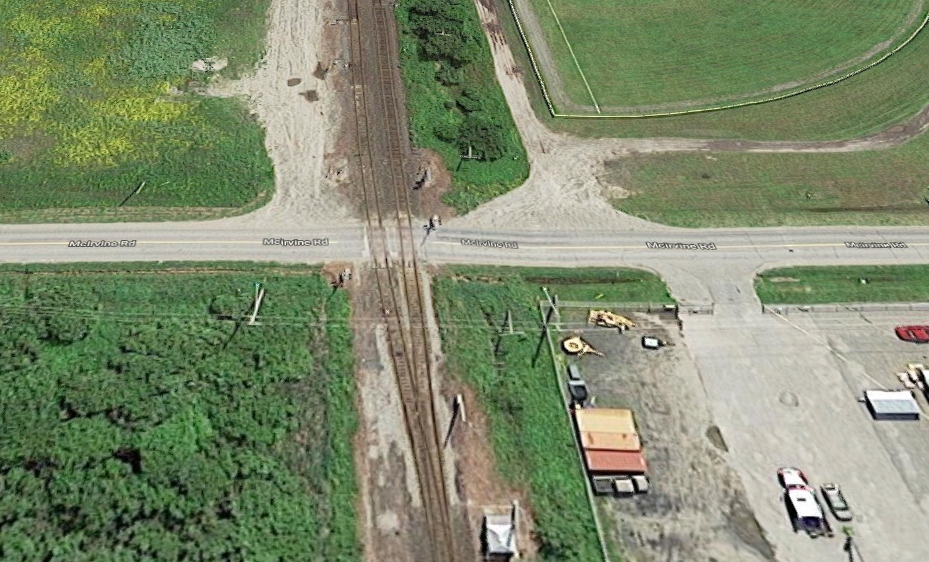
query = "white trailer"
{"x": 806, "y": 511}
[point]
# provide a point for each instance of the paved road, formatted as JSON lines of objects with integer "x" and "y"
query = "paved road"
{"x": 243, "y": 240}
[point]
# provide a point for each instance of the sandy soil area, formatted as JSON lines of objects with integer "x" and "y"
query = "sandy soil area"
{"x": 297, "y": 105}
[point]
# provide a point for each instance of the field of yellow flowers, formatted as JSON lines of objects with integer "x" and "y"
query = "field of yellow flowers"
{"x": 95, "y": 99}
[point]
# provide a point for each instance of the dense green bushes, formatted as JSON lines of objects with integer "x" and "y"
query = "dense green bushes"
{"x": 454, "y": 101}
{"x": 140, "y": 421}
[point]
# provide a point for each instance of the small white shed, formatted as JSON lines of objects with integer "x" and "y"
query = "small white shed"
{"x": 892, "y": 404}
{"x": 500, "y": 536}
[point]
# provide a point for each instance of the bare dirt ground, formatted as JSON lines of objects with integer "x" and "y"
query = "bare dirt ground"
{"x": 696, "y": 510}
{"x": 440, "y": 181}
{"x": 298, "y": 109}
{"x": 390, "y": 492}
{"x": 563, "y": 192}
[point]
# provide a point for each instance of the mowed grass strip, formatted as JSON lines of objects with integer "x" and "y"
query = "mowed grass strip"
{"x": 728, "y": 189}
{"x": 842, "y": 284}
{"x": 530, "y": 430}
{"x": 97, "y": 97}
{"x": 142, "y": 421}
{"x": 646, "y": 52}
{"x": 881, "y": 97}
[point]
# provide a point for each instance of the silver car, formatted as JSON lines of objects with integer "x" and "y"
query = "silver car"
{"x": 836, "y": 501}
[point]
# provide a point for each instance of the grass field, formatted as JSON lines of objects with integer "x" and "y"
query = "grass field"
{"x": 140, "y": 420}
{"x": 841, "y": 284}
{"x": 741, "y": 189}
{"x": 881, "y": 97}
{"x": 442, "y": 95}
{"x": 668, "y": 51}
{"x": 522, "y": 400}
{"x": 97, "y": 97}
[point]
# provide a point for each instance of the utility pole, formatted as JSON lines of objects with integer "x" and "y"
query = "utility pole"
{"x": 259, "y": 294}
{"x": 553, "y": 303}
{"x": 458, "y": 411}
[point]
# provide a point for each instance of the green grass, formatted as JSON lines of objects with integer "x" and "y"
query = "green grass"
{"x": 881, "y": 97}
{"x": 842, "y": 284}
{"x": 138, "y": 423}
{"x": 518, "y": 388}
{"x": 742, "y": 189}
{"x": 436, "y": 112}
{"x": 647, "y": 52}
{"x": 86, "y": 114}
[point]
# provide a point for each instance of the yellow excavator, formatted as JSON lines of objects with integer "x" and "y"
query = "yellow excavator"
{"x": 576, "y": 346}
{"x": 607, "y": 319}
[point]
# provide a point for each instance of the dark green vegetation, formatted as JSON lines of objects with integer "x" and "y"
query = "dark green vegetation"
{"x": 455, "y": 102}
{"x": 737, "y": 189}
{"x": 97, "y": 97}
{"x": 141, "y": 421}
{"x": 666, "y": 51}
{"x": 515, "y": 384}
{"x": 812, "y": 285}
{"x": 879, "y": 98}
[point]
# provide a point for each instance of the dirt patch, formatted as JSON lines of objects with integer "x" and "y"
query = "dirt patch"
{"x": 439, "y": 183}
{"x": 310, "y": 95}
{"x": 293, "y": 81}
{"x": 743, "y": 522}
{"x": 781, "y": 279}
{"x": 716, "y": 438}
{"x": 320, "y": 72}
{"x": 390, "y": 521}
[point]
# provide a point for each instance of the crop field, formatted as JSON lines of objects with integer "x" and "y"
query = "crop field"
{"x": 141, "y": 419}
{"x": 97, "y": 97}
{"x": 518, "y": 390}
{"x": 748, "y": 189}
{"x": 871, "y": 101}
{"x": 818, "y": 285}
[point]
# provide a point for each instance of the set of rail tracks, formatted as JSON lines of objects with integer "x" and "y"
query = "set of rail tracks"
{"x": 382, "y": 150}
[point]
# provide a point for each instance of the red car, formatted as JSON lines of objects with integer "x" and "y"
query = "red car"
{"x": 915, "y": 334}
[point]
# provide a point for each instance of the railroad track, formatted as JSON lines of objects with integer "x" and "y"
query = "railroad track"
{"x": 382, "y": 144}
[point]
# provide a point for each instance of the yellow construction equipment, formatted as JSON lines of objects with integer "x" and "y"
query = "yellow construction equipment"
{"x": 576, "y": 346}
{"x": 607, "y": 319}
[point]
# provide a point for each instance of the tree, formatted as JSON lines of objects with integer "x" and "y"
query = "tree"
{"x": 443, "y": 31}
{"x": 485, "y": 137}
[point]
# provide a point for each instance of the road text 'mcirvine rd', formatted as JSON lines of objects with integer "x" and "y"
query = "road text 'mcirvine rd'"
{"x": 856, "y": 245}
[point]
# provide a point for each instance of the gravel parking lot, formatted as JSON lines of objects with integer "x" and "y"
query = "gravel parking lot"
{"x": 785, "y": 390}
{"x": 697, "y": 509}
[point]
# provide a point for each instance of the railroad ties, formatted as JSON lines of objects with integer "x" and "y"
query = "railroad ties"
{"x": 382, "y": 143}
